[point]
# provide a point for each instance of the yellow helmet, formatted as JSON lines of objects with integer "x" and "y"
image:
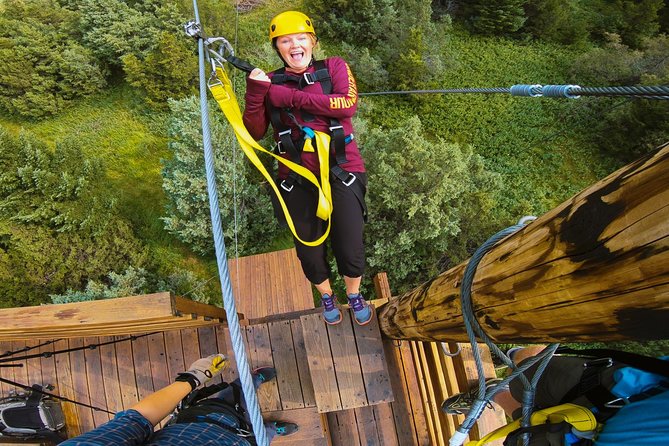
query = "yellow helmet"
{"x": 290, "y": 22}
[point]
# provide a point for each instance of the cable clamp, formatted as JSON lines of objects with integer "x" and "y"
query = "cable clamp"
{"x": 193, "y": 29}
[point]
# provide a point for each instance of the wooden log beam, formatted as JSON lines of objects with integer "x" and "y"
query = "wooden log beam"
{"x": 596, "y": 268}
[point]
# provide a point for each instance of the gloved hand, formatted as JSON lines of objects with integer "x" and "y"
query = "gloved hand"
{"x": 204, "y": 369}
{"x": 281, "y": 96}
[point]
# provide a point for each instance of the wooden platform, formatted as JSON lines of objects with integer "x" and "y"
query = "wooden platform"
{"x": 342, "y": 384}
{"x": 269, "y": 284}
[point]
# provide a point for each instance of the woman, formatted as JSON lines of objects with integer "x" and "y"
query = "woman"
{"x": 318, "y": 95}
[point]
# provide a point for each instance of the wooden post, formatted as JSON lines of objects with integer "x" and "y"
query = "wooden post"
{"x": 596, "y": 268}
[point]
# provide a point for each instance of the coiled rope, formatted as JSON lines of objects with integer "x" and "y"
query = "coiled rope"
{"x": 221, "y": 259}
{"x": 474, "y": 329}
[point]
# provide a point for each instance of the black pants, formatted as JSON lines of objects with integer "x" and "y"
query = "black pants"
{"x": 346, "y": 232}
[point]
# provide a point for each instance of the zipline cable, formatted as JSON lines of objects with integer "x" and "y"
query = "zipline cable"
{"x": 238, "y": 347}
{"x": 53, "y": 395}
{"x": 73, "y": 349}
{"x": 58, "y": 352}
{"x": 660, "y": 92}
{"x": 27, "y": 349}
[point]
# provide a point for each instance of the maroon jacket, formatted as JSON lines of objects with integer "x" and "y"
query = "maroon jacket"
{"x": 341, "y": 104}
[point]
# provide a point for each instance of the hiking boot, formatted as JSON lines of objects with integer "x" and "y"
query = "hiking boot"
{"x": 284, "y": 428}
{"x": 361, "y": 310}
{"x": 263, "y": 374}
{"x": 331, "y": 312}
{"x": 461, "y": 403}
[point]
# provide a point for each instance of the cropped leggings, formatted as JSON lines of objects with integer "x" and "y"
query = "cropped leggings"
{"x": 346, "y": 232}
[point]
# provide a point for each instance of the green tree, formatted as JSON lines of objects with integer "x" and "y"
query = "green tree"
{"x": 43, "y": 67}
{"x": 135, "y": 281}
{"x": 556, "y": 20}
{"x": 421, "y": 194}
{"x": 243, "y": 202}
{"x": 493, "y": 17}
{"x": 414, "y": 62}
{"x": 168, "y": 71}
{"x": 112, "y": 29}
{"x": 60, "y": 189}
{"x": 369, "y": 21}
{"x": 634, "y": 21}
{"x": 36, "y": 261}
{"x": 634, "y": 127}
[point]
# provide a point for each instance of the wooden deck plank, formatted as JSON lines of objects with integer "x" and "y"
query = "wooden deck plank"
{"x": 104, "y": 330}
{"x": 207, "y": 339}
{"x": 208, "y": 344}
{"x": 112, "y": 387}
{"x": 385, "y": 422}
{"x": 95, "y": 381}
{"x": 126, "y": 372}
{"x": 65, "y": 387}
{"x": 80, "y": 385}
{"x": 402, "y": 412}
{"x": 268, "y": 393}
{"x": 414, "y": 394}
{"x": 427, "y": 392}
{"x": 229, "y": 374}
{"x": 302, "y": 363}
{"x": 447, "y": 379}
{"x": 366, "y": 423}
{"x": 320, "y": 362}
{"x": 287, "y": 373}
{"x": 347, "y": 364}
{"x": 142, "y": 362}
{"x": 5, "y": 372}
{"x": 20, "y": 373}
{"x": 278, "y": 283}
{"x": 232, "y": 372}
{"x": 48, "y": 365}
{"x": 191, "y": 346}
{"x": 33, "y": 365}
{"x": 424, "y": 392}
{"x": 308, "y": 419}
{"x": 346, "y": 428}
{"x": 158, "y": 361}
{"x": 174, "y": 352}
{"x": 373, "y": 362}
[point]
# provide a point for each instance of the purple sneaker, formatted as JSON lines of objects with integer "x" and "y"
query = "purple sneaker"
{"x": 361, "y": 310}
{"x": 331, "y": 312}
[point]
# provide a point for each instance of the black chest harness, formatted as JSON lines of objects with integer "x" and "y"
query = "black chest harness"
{"x": 286, "y": 144}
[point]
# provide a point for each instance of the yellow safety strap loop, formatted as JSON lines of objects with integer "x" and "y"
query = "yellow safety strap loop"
{"x": 227, "y": 101}
{"x": 578, "y": 416}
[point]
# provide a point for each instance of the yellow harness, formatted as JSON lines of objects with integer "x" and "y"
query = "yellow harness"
{"x": 225, "y": 96}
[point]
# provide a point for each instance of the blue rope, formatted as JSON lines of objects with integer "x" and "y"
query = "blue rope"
{"x": 221, "y": 259}
{"x": 474, "y": 329}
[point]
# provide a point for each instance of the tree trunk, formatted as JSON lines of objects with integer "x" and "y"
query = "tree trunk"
{"x": 596, "y": 268}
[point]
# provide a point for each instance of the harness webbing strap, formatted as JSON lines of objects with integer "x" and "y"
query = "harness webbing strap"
{"x": 338, "y": 139}
{"x": 225, "y": 96}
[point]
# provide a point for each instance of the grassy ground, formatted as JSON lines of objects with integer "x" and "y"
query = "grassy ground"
{"x": 115, "y": 127}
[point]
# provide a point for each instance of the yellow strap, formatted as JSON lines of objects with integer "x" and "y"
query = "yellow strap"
{"x": 226, "y": 99}
{"x": 578, "y": 416}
